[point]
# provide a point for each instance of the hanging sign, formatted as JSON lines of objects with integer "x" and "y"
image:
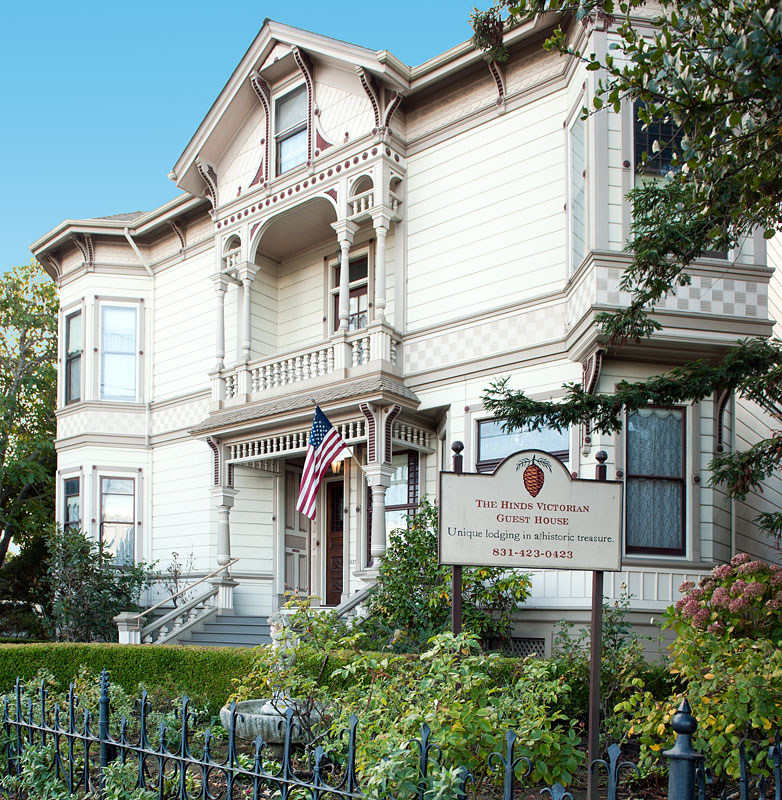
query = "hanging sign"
{"x": 530, "y": 513}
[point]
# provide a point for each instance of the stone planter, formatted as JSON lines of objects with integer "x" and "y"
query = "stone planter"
{"x": 256, "y": 718}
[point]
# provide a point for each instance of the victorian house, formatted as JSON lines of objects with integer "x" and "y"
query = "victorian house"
{"x": 384, "y": 240}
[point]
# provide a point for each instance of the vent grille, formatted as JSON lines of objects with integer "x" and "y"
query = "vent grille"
{"x": 521, "y": 648}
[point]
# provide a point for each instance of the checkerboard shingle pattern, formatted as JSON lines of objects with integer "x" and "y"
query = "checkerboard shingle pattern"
{"x": 485, "y": 339}
{"x": 706, "y": 295}
{"x": 173, "y": 418}
{"x": 109, "y": 421}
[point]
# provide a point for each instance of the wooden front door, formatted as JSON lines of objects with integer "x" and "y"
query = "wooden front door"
{"x": 334, "y": 535}
{"x": 297, "y": 538}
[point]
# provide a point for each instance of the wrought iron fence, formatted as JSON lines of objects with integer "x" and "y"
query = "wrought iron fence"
{"x": 168, "y": 765}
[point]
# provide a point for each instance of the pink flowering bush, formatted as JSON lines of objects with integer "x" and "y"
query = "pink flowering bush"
{"x": 743, "y": 598}
{"x": 728, "y": 655}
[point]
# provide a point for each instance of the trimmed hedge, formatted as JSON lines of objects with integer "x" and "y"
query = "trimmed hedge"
{"x": 203, "y": 673}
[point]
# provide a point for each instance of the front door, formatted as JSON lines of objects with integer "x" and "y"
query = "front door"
{"x": 297, "y": 536}
{"x": 334, "y": 534}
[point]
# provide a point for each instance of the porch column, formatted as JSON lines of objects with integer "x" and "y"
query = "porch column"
{"x": 246, "y": 274}
{"x": 379, "y": 477}
{"x": 224, "y": 500}
{"x": 379, "y": 469}
{"x": 221, "y": 286}
{"x": 346, "y": 230}
{"x": 382, "y": 221}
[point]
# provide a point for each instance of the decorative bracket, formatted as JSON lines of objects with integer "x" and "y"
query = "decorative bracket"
{"x": 370, "y": 87}
{"x": 721, "y": 402}
{"x": 263, "y": 93}
{"x": 54, "y": 263}
{"x": 499, "y": 79}
{"x": 84, "y": 242}
{"x": 209, "y": 175}
{"x": 590, "y": 373}
{"x": 179, "y": 229}
{"x": 305, "y": 65}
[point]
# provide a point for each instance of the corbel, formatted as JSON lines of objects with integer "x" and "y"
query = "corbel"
{"x": 394, "y": 101}
{"x": 179, "y": 229}
{"x": 590, "y": 374}
{"x": 263, "y": 93}
{"x": 215, "y": 460}
{"x": 499, "y": 80}
{"x": 305, "y": 66}
{"x": 370, "y": 87}
{"x": 84, "y": 242}
{"x": 209, "y": 175}
{"x": 54, "y": 263}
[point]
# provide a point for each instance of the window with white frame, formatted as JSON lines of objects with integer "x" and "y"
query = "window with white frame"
{"x": 74, "y": 347}
{"x": 118, "y": 352}
{"x": 577, "y": 192}
{"x": 358, "y": 297}
{"x": 117, "y": 518}
{"x": 495, "y": 444}
{"x": 402, "y": 496}
{"x": 290, "y": 129}
{"x": 654, "y": 482}
{"x": 71, "y": 504}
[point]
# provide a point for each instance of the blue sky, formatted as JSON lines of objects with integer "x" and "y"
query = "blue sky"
{"x": 99, "y": 99}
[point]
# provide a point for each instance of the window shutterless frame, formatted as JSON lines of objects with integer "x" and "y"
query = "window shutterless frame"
{"x": 290, "y": 129}
{"x": 119, "y": 363}
{"x": 488, "y": 459}
{"x": 74, "y": 348}
{"x": 677, "y": 480}
{"x": 71, "y": 507}
{"x": 118, "y": 517}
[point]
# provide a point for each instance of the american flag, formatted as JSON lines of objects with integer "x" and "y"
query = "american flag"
{"x": 325, "y": 446}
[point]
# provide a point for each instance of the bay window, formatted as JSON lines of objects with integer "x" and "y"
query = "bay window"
{"x": 654, "y": 482}
{"x": 118, "y": 353}
{"x": 117, "y": 518}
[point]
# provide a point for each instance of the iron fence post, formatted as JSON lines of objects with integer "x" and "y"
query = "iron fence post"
{"x": 103, "y": 726}
{"x": 683, "y": 759}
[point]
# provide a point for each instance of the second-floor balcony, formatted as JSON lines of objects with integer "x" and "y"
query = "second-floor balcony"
{"x": 373, "y": 349}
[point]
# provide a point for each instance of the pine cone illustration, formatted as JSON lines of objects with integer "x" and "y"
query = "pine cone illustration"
{"x": 533, "y": 476}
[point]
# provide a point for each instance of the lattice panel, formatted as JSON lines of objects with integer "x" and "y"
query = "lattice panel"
{"x": 521, "y": 648}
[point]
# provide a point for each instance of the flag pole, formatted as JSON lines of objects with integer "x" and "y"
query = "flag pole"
{"x": 358, "y": 463}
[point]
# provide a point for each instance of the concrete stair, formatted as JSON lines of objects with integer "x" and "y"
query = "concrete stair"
{"x": 230, "y": 631}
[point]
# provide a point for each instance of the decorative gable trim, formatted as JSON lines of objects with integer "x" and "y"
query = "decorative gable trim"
{"x": 263, "y": 93}
{"x": 209, "y": 175}
{"x": 370, "y": 87}
{"x": 305, "y": 65}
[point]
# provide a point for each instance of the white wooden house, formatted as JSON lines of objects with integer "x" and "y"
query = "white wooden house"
{"x": 385, "y": 240}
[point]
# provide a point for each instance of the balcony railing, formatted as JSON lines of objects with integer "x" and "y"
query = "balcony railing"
{"x": 363, "y": 347}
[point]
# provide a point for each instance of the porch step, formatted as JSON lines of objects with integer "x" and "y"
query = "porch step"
{"x": 231, "y": 631}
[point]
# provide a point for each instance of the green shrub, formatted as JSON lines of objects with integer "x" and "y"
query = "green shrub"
{"x": 411, "y": 601}
{"x": 727, "y": 655}
{"x": 88, "y": 589}
{"x": 166, "y": 672}
{"x": 624, "y": 670}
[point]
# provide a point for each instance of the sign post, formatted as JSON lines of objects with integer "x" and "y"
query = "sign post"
{"x": 456, "y": 569}
{"x": 531, "y": 513}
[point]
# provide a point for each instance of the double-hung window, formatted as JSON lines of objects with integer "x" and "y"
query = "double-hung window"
{"x": 73, "y": 355}
{"x": 118, "y": 353}
{"x": 654, "y": 494}
{"x": 494, "y": 444}
{"x": 290, "y": 129}
{"x": 71, "y": 518}
{"x": 117, "y": 518}
{"x": 358, "y": 297}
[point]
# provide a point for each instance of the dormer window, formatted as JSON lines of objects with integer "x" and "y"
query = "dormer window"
{"x": 290, "y": 129}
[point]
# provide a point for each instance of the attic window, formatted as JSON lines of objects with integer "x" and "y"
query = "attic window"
{"x": 290, "y": 129}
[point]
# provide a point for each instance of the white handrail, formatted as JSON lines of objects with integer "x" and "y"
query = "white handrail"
{"x": 186, "y": 589}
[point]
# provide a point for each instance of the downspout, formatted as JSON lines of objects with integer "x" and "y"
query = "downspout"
{"x": 150, "y": 376}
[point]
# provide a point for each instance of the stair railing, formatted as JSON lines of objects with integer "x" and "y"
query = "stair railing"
{"x": 177, "y": 621}
{"x": 355, "y": 600}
